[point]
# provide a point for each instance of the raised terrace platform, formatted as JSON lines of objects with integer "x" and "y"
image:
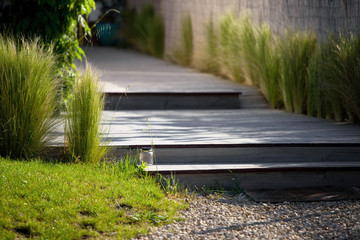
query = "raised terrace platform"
{"x": 144, "y": 82}
{"x": 210, "y": 131}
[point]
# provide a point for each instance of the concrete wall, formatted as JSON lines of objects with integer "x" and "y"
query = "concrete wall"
{"x": 322, "y": 16}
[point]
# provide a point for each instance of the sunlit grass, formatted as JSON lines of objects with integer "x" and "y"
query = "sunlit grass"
{"x": 83, "y": 117}
{"x": 28, "y": 96}
{"x": 248, "y": 55}
{"x": 230, "y": 48}
{"x": 77, "y": 201}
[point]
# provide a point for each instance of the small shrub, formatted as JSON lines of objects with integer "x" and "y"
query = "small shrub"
{"x": 184, "y": 54}
{"x": 28, "y": 90}
{"x": 84, "y": 110}
{"x": 297, "y": 49}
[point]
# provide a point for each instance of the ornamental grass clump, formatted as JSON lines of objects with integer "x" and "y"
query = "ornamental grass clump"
{"x": 335, "y": 79}
{"x": 28, "y": 96}
{"x": 296, "y": 51}
{"x": 248, "y": 44}
{"x": 268, "y": 65}
{"x": 211, "y": 58}
{"x": 83, "y": 117}
{"x": 346, "y": 74}
{"x": 230, "y": 48}
{"x": 185, "y": 51}
{"x": 238, "y": 42}
{"x": 145, "y": 30}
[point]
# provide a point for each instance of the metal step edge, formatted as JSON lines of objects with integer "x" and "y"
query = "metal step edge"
{"x": 260, "y": 167}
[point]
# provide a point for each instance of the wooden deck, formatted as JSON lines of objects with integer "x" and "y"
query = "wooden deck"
{"x": 208, "y": 130}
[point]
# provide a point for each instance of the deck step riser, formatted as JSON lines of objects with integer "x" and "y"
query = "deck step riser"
{"x": 270, "y": 180}
{"x": 252, "y": 154}
{"x": 236, "y": 155}
{"x": 145, "y": 101}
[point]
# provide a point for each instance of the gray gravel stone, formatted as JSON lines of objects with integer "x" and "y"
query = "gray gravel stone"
{"x": 236, "y": 217}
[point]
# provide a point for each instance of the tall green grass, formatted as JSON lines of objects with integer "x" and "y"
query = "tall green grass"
{"x": 230, "y": 48}
{"x": 83, "y": 117}
{"x": 145, "y": 30}
{"x": 248, "y": 59}
{"x": 334, "y": 75}
{"x": 296, "y": 51}
{"x": 238, "y": 48}
{"x": 28, "y": 96}
{"x": 268, "y": 64}
{"x": 249, "y": 54}
{"x": 346, "y": 70}
{"x": 319, "y": 102}
{"x": 184, "y": 53}
{"x": 211, "y": 59}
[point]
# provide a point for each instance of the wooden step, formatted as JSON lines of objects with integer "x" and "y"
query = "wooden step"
{"x": 253, "y": 153}
{"x": 172, "y": 101}
{"x": 267, "y": 176}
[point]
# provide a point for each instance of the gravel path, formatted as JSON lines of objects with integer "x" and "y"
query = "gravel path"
{"x": 235, "y": 217}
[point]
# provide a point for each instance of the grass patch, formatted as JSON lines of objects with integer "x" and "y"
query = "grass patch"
{"x": 84, "y": 110}
{"x": 76, "y": 201}
{"x": 28, "y": 96}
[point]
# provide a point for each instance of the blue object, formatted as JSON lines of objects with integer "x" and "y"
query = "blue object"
{"x": 107, "y": 33}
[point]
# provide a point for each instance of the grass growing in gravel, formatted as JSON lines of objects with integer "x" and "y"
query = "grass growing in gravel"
{"x": 76, "y": 201}
{"x": 28, "y": 90}
{"x": 84, "y": 110}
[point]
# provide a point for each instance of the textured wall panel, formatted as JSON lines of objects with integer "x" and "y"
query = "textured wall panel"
{"x": 321, "y": 16}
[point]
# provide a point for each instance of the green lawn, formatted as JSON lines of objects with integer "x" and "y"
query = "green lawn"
{"x": 74, "y": 201}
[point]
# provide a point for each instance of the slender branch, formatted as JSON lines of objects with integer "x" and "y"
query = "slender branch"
{"x": 107, "y": 12}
